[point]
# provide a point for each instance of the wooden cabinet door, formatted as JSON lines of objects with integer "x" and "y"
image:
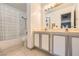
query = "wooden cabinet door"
{"x": 36, "y": 40}
{"x": 45, "y": 42}
{"x": 59, "y": 45}
{"x": 75, "y": 46}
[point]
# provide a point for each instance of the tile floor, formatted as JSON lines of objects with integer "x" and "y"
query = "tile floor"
{"x": 26, "y": 52}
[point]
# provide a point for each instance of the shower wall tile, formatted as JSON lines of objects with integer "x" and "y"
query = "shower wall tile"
{"x": 10, "y": 22}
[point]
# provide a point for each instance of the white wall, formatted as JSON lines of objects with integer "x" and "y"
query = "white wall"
{"x": 35, "y": 16}
{"x": 29, "y": 39}
{"x": 34, "y": 21}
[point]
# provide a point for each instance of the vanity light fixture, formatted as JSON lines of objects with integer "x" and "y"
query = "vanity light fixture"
{"x": 51, "y": 6}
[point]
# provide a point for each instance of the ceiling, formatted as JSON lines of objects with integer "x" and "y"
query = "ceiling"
{"x": 20, "y": 6}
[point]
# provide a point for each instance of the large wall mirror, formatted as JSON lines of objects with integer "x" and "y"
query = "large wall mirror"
{"x": 60, "y": 18}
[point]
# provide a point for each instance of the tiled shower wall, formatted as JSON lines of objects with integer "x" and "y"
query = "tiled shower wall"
{"x": 9, "y": 22}
{"x": 1, "y": 34}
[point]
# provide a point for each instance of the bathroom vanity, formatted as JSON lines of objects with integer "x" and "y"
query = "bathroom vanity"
{"x": 61, "y": 41}
{"x": 57, "y": 43}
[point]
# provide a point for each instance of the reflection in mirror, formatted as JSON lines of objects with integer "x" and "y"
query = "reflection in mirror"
{"x": 66, "y": 20}
{"x": 47, "y": 22}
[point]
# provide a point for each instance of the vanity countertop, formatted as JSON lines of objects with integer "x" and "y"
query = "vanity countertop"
{"x": 73, "y": 32}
